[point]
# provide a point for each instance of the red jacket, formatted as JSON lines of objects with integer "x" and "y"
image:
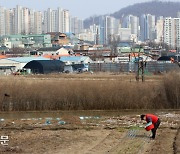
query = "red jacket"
{"x": 151, "y": 118}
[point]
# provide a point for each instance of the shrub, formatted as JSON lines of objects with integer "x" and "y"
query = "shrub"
{"x": 172, "y": 89}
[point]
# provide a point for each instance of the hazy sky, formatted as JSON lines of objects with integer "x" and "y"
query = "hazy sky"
{"x": 79, "y": 8}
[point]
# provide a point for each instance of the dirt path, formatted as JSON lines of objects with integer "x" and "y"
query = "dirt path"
{"x": 89, "y": 142}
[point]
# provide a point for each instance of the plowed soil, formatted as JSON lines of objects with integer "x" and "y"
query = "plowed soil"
{"x": 107, "y": 134}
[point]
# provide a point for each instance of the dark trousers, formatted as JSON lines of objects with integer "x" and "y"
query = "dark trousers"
{"x": 156, "y": 125}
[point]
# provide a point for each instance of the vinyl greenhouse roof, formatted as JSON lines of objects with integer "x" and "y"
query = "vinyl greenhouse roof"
{"x": 26, "y": 59}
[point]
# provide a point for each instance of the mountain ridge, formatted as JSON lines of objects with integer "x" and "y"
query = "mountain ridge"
{"x": 157, "y": 8}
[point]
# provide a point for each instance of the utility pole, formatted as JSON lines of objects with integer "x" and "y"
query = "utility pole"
{"x": 142, "y": 69}
{"x": 138, "y": 71}
{"x": 141, "y": 65}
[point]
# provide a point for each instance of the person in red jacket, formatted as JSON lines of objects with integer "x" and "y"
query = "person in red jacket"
{"x": 155, "y": 121}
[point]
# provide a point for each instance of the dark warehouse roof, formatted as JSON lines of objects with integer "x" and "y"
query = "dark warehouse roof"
{"x": 45, "y": 66}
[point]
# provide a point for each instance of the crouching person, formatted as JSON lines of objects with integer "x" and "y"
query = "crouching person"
{"x": 153, "y": 123}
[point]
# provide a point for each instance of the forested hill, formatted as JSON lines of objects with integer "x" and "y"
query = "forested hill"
{"x": 157, "y": 8}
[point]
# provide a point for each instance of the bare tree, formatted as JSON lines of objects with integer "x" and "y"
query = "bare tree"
{"x": 113, "y": 43}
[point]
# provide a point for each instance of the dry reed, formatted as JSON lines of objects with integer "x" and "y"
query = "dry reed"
{"x": 29, "y": 94}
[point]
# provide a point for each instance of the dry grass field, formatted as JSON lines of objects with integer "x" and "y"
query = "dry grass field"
{"x": 89, "y": 92}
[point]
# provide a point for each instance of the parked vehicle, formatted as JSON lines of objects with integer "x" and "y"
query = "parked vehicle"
{"x": 80, "y": 67}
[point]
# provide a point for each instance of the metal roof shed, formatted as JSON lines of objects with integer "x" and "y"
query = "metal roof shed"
{"x": 45, "y": 66}
{"x": 18, "y": 62}
{"x": 76, "y": 59}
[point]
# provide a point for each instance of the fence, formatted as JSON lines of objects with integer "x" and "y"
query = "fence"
{"x": 153, "y": 67}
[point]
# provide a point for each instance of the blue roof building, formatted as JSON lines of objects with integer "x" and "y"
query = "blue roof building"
{"x": 68, "y": 60}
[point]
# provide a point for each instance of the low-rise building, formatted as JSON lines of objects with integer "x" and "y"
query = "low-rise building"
{"x": 26, "y": 41}
{"x": 59, "y": 39}
{"x": 76, "y": 59}
{"x": 76, "y": 63}
{"x": 51, "y": 51}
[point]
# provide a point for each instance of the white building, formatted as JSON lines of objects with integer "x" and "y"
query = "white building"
{"x": 49, "y": 20}
{"x": 177, "y": 30}
{"x": 66, "y": 21}
{"x": 2, "y": 21}
{"x": 18, "y": 19}
{"x": 54, "y": 21}
{"x": 38, "y": 23}
{"x": 169, "y": 32}
{"x": 125, "y": 34}
{"x": 87, "y": 35}
{"x": 51, "y": 51}
{"x": 31, "y": 21}
{"x": 132, "y": 22}
{"x": 111, "y": 27}
{"x": 134, "y": 25}
{"x": 159, "y": 30}
{"x": 59, "y": 20}
{"x": 25, "y": 21}
{"x": 6, "y": 21}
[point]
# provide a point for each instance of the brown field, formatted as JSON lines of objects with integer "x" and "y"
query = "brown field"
{"x": 102, "y": 91}
{"x": 88, "y": 132}
{"x": 89, "y": 113}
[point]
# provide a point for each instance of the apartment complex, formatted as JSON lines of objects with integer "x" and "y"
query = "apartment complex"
{"x": 147, "y": 27}
{"x": 108, "y": 26}
{"x": 132, "y": 28}
{"x": 172, "y": 32}
{"x": 131, "y": 22}
{"x": 22, "y": 20}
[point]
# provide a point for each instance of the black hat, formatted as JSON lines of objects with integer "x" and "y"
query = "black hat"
{"x": 142, "y": 116}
